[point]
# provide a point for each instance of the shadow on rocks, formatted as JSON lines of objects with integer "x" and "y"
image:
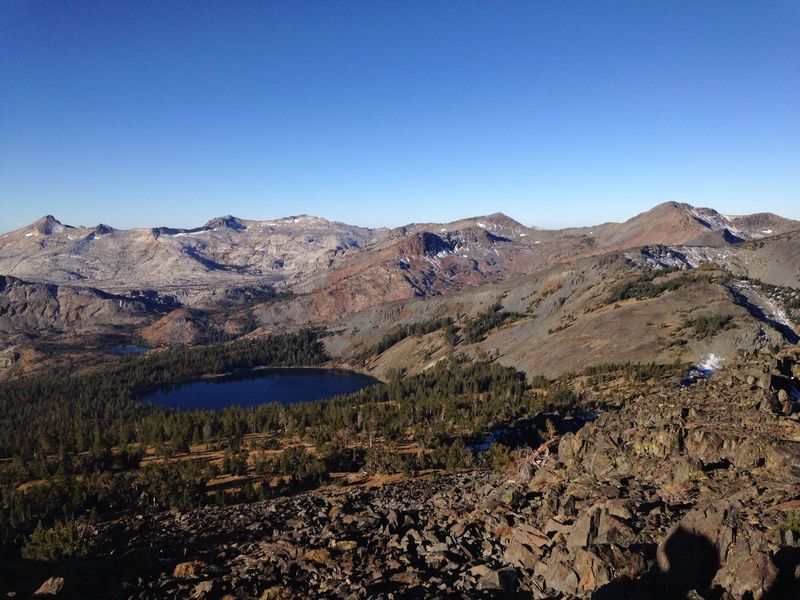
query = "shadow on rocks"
{"x": 691, "y": 563}
{"x": 788, "y": 583}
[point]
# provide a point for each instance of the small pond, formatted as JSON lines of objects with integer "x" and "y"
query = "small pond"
{"x": 129, "y": 349}
{"x": 257, "y": 386}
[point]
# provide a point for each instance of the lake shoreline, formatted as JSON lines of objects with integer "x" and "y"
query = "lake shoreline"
{"x": 330, "y": 366}
{"x": 260, "y": 385}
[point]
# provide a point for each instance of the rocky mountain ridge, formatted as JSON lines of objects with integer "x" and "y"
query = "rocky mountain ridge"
{"x": 232, "y": 276}
{"x": 310, "y": 253}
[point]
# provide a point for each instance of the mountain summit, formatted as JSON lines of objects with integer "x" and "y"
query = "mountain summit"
{"x": 48, "y": 225}
{"x": 226, "y": 222}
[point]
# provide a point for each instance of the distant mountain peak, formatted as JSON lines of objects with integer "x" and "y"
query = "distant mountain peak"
{"x": 497, "y": 218}
{"x": 500, "y": 216}
{"x": 226, "y": 222}
{"x": 48, "y": 225}
{"x": 99, "y": 231}
{"x": 304, "y": 219}
{"x": 47, "y": 220}
{"x": 683, "y": 223}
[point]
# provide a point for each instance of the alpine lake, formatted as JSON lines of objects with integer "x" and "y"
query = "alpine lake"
{"x": 259, "y": 386}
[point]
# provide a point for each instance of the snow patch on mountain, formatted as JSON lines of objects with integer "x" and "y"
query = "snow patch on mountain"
{"x": 711, "y": 363}
{"x": 185, "y": 233}
{"x": 704, "y": 369}
{"x": 772, "y": 310}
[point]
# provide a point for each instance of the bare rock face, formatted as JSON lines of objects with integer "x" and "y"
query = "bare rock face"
{"x": 179, "y": 327}
{"x": 9, "y": 356}
{"x": 225, "y": 252}
{"x": 37, "y": 308}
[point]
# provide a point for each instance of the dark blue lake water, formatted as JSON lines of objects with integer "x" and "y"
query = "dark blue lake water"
{"x": 248, "y": 388}
{"x": 132, "y": 349}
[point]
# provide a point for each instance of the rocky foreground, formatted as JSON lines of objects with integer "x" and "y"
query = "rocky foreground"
{"x": 678, "y": 493}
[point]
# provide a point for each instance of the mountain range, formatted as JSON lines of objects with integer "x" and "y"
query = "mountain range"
{"x": 233, "y": 276}
{"x": 304, "y": 253}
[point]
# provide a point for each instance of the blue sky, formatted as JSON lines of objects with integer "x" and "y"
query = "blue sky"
{"x": 382, "y": 113}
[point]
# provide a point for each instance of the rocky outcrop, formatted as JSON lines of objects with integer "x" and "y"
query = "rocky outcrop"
{"x": 51, "y": 587}
{"x": 181, "y": 326}
{"x": 38, "y": 309}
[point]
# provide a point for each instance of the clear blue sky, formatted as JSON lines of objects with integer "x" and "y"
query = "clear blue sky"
{"x": 380, "y": 113}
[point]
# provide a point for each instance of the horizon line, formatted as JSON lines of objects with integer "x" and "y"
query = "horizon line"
{"x": 404, "y": 224}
